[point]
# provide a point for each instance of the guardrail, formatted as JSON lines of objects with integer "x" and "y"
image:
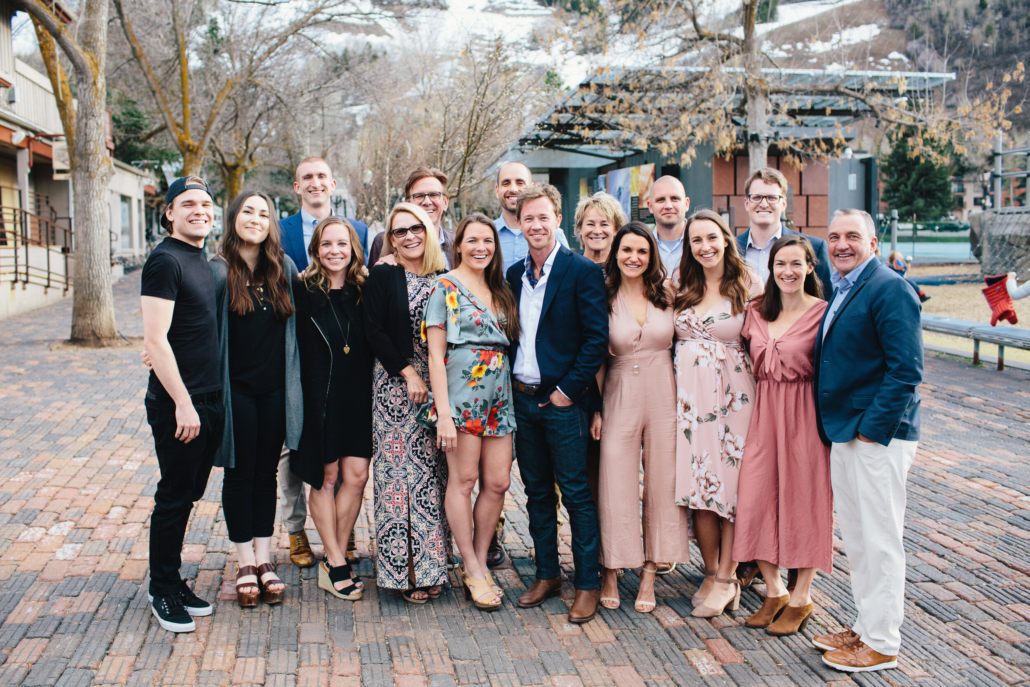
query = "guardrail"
{"x": 34, "y": 250}
{"x": 1001, "y": 336}
{"x": 999, "y": 175}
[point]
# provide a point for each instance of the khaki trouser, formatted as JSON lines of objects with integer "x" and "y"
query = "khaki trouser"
{"x": 292, "y": 500}
{"x": 869, "y": 494}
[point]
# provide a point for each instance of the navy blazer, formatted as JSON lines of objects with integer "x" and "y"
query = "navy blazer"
{"x": 292, "y": 232}
{"x": 871, "y": 361}
{"x": 572, "y": 338}
{"x": 822, "y": 257}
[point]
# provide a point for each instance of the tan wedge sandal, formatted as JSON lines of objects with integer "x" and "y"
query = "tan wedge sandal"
{"x": 477, "y": 590}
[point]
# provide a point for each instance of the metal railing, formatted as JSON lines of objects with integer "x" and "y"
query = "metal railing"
{"x": 34, "y": 250}
{"x": 998, "y": 176}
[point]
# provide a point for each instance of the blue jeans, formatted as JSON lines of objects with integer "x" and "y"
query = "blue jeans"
{"x": 551, "y": 444}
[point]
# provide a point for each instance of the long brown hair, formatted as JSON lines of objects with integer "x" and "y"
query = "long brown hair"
{"x": 316, "y": 274}
{"x": 770, "y": 304}
{"x": 494, "y": 273}
{"x": 654, "y": 276}
{"x": 736, "y": 279}
{"x": 269, "y": 269}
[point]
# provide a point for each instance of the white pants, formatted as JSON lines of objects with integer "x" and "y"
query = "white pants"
{"x": 293, "y": 503}
{"x": 869, "y": 495}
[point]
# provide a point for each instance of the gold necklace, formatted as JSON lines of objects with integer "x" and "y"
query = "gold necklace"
{"x": 346, "y": 337}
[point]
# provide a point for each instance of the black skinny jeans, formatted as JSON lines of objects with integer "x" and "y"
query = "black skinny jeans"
{"x": 184, "y": 472}
{"x": 249, "y": 489}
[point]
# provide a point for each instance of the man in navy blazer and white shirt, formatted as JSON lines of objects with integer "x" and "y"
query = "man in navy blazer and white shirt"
{"x": 765, "y": 199}
{"x": 314, "y": 184}
{"x": 868, "y": 365}
{"x": 564, "y": 339}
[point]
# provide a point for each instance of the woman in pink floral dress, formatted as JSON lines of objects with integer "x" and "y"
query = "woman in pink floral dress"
{"x": 715, "y": 389}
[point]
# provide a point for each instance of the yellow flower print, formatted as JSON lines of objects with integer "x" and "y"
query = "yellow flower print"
{"x": 477, "y": 374}
{"x": 452, "y": 300}
{"x": 423, "y": 331}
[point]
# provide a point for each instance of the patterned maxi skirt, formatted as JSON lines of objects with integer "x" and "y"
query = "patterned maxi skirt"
{"x": 409, "y": 475}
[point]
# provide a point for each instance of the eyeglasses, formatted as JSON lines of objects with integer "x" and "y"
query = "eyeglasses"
{"x": 415, "y": 229}
{"x": 772, "y": 200}
{"x": 431, "y": 195}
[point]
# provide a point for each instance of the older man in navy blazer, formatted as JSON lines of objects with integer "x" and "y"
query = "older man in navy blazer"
{"x": 869, "y": 363}
{"x": 765, "y": 199}
{"x": 564, "y": 339}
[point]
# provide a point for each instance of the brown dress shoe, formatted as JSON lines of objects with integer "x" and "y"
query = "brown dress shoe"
{"x": 770, "y": 611}
{"x": 746, "y": 573}
{"x": 791, "y": 621}
{"x": 584, "y": 608}
{"x": 300, "y": 550}
{"x": 835, "y": 641}
{"x": 495, "y": 554}
{"x": 541, "y": 591}
{"x": 858, "y": 658}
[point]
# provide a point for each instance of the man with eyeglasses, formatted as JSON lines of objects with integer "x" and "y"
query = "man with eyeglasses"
{"x": 765, "y": 199}
{"x": 427, "y": 188}
{"x": 512, "y": 177}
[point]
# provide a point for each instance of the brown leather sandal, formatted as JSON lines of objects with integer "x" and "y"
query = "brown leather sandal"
{"x": 247, "y": 599}
{"x": 270, "y": 596}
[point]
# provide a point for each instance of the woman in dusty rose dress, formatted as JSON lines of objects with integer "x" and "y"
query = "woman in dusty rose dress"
{"x": 785, "y": 516}
{"x": 715, "y": 390}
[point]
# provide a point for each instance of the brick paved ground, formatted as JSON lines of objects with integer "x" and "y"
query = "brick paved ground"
{"x": 76, "y": 482}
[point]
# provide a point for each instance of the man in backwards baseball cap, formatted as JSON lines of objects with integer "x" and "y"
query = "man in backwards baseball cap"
{"x": 183, "y": 401}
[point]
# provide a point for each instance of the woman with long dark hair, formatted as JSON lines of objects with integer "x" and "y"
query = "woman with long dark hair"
{"x": 336, "y": 370}
{"x": 470, "y": 320}
{"x": 715, "y": 388}
{"x": 639, "y": 421}
{"x": 785, "y": 501}
{"x": 260, "y": 382}
{"x": 409, "y": 468}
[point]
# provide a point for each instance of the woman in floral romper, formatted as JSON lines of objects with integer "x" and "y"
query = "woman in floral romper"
{"x": 715, "y": 388}
{"x": 470, "y": 320}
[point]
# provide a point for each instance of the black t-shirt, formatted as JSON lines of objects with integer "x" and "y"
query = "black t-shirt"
{"x": 177, "y": 271}
{"x": 257, "y": 348}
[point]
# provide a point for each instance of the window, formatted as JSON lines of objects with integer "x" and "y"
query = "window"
{"x": 126, "y": 204}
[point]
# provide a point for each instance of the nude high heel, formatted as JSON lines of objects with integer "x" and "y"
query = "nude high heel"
{"x": 697, "y": 599}
{"x": 706, "y": 611}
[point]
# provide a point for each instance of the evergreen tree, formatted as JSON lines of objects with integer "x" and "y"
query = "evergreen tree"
{"x": 914, "y": 186}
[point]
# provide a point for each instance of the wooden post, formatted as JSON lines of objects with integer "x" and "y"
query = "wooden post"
{"x": 997, "y": 174}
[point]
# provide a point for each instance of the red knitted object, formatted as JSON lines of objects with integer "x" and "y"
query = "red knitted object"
{"x": 997, "y": 295}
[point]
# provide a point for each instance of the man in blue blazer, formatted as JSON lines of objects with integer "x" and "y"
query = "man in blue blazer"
{"x": 564, "y": 339}
{"x": 869, "y": 363}
{"x": 314, "y": 183}
{"x": 765, "y": 199}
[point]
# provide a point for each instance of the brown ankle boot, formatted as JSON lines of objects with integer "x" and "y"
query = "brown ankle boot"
{"x": 792, "y": 620}
{"x": 540, "y": 592}
{"x": 770, "y": 610}
{"x": 584, "y": 608}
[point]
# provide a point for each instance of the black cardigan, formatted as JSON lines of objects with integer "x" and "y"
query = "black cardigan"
{"x": 388, "y": 318}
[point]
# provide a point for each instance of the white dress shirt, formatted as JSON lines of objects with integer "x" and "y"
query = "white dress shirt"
{"x": 526, "y": 368}
{"x": 307, "y": 225}
{"x": 670, "y": 252}
{"x": 758, "y": 258}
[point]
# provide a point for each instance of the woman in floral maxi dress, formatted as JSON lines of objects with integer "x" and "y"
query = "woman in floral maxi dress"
{"x": 715, "y": 388}
{"x": 407, "y": 466}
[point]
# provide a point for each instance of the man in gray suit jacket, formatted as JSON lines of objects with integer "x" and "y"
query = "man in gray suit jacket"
{"x": 765, "y": 198}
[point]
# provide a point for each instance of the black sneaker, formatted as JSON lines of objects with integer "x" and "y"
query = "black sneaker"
{"x": 193, "y": 604}
{"x": 171, "y": 614}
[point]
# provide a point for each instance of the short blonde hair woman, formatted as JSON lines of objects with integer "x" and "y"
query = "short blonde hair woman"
{"x": 598, "y": 219}
{"x": 432, "y": 259}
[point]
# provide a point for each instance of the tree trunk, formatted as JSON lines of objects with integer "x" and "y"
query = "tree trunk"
{"x": 756, "y": 91}
{"x": 191, "y": 161}
{"x": 757, "y": 127}
{"x": 232, "y": 179}
{"x": 93, "y": 307}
